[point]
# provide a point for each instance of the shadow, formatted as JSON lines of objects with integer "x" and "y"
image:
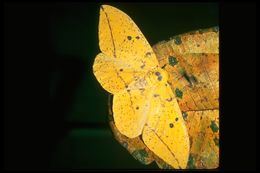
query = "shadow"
{"x": 66, "y": 75}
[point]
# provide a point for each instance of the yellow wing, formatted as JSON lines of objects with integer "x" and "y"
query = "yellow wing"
{"x": 132, "y": 106}
{"x": 115, "y": 75}
{"x": 128, "y": 68}
{"x": 126, "y": 55}
{"x": 125, "y": 60}
{"x": 130, "y": 111}
{"x": 120, "y": 38}
{"x": 165, "y": 132}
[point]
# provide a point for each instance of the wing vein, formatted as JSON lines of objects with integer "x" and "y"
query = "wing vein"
{"x": 165, "y": 145}
{"x": 110, "y": 28}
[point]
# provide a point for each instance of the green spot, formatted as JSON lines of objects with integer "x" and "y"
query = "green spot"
{"x": 177, "y": 40}
{"x": 172, "y": 61}
{"x": 125, "y": 144}
{"x": 191, "y": 162}
{"x": 165, "y": 166}
{"x": 214, "y": 126}
{"x": 216, "y": 141}
{"x": 184, "y": 115}
{"x": 178, "y": 93}
{"x": 140, "y": 155}
{"x": 215, "y": 29}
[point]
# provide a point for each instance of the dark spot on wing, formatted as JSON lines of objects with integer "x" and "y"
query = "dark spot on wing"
{"x": 128, "y": 90}
{"x": 169, "y": 99}
{"x": 158, "y": 74}
{"x": 148, "y": 54}
{"x": 198, "y": 45}
{"x": 137, "y": 108}
{"x": 164, "y": 66}
{"x": 191, "y": 79}
{"x": 177, "y": 40}
{"x": 141, "y": 89}
{"x": 142, "y": 66}
{"x": 185, "y": 75}
{"x": 171, "y": 125}
{"x": 129, "y": 37}
{"x": 176, "y": 119}
{"x": 172, "y": 60}
{"x": 121, "y": 69}
{"x": 156, "y": 95}
{"x": 214, "y": 126}
{"x": 178, "y": 93}
{"x": 137, "y": 37}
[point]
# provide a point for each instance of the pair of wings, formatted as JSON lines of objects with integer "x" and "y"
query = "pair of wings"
{"x": 140, "y": 105}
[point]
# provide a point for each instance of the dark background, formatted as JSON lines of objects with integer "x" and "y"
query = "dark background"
{"x": 55, "y": 110}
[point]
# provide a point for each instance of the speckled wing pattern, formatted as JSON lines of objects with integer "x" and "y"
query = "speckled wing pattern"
{"x": 143, "y": 102}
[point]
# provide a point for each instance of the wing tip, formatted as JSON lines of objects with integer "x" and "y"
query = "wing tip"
{"x": 105, "y": 7}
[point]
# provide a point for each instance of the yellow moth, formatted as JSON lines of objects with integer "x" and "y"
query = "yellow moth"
{"x": 143, "y": 103}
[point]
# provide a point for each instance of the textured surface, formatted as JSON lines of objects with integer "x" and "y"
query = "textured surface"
{"x": 192, "y": 62}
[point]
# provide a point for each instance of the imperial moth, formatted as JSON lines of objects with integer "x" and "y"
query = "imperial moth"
{"x": 173, "y": 56}
{"x": 143, "y": 101}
